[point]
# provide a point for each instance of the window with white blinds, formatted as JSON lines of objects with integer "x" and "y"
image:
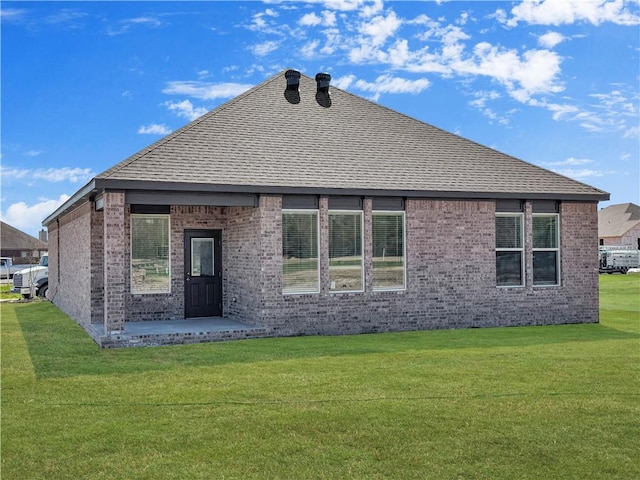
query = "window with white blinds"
{"x": 300, "y": 260}
{"x": 346, "y": 265}
{"x": 150, "y": 246}
{"x": 388, "y": 250}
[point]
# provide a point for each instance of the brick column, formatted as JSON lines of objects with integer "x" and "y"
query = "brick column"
{"x": 324, "y": 245}
{"x": 367, "y": 248}
{"x": 528, "y": 244}
{"x": 115, "y": 263}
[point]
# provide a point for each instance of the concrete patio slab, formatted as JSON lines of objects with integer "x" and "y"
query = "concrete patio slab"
{"x": 175, "y": 332}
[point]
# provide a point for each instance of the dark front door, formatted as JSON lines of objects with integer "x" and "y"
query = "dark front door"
{"x": 203, "y": 273}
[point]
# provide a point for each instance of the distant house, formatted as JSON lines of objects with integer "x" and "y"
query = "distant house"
{"x": 21, "y": 247}
{"x": 619, "y": 225}
{"x": 303, "y": 209}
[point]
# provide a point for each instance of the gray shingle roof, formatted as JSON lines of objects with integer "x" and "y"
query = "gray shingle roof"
{"x": 260, "y": 139}
{"x": 13, "y": 239}
{"x": 616, "y": 220}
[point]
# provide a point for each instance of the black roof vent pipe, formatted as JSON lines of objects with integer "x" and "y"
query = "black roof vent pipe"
{"x": 323, "y": 80}
{"x": 293, "y": 79}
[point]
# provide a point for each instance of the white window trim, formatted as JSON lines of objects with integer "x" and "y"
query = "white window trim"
{"x": 523, "y": 276}
{"x": 348, "y": 212}
{"x": 557, "y": 250}
{"x": 404, "y": 250}
{"x": 146, "y": 215}
{"x": 307, "y": 211}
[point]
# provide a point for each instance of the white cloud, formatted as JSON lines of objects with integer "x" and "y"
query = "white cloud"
{"x": 308, "y": 50}
{"x": 204, "y": 90}
{"x": 576, "y": 168}
{"x": 559, "y": 12}
{"x": 185, "y": 109}
{"x": 343, "y": 5}
{"x": 550, "y": 39}
{"x": 389, "y": 84}
{"x": 9, "y": 14}
{"x": 54, "y": 175}
{"x": 571, "y": 161}
{"x": 632, "y": 132}
{"x": 154, "y": 129}
{"x": 29, "y": 217}
{"x": 264, "y": 48}
{"x": 328, "y": 19}
{"x": 310, "y": 20}
{"x": 532, "y": 73}
{"x": 615, "y": 111}
{"x": 344, "y": 82}
{"x": 33, "y": 153}
{"x": 125, "y": 25}
{"x": 583, "y": 173}
{"x": 480, "y": 102}
{"x": 260, "y": 20}
{"x": 380, "y": 28}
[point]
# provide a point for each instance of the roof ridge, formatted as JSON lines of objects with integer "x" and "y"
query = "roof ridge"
{"x": 185, "y": 128}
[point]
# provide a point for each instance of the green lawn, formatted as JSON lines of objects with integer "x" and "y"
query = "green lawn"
{"x": 558, "y": 402}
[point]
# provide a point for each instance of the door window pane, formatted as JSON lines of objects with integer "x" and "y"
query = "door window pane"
{"x": 201, "y": 257}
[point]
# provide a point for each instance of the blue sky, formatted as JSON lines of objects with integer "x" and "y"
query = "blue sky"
{"x": 86, "y": 84}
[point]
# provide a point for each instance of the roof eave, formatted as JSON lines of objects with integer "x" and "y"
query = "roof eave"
{"x": 81, "y": 196}
{"x": 114, "y": 184}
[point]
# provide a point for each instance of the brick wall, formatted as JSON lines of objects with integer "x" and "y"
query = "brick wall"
{"x": 450, "y": 276}
{"x": 241, "y": 246}
{"x": 70, "y": 264}
{"x": 450, "y": 270}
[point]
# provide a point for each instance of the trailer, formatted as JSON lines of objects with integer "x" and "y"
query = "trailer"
{"x": 618, "y": 259}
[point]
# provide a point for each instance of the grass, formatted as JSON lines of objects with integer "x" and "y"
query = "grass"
{"x": 536, "y": 402}
{"x": 5, "y": 292}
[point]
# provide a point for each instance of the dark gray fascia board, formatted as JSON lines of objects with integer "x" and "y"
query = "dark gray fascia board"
{"x": 281, "y": 190}
{"x": 101, "y": 184}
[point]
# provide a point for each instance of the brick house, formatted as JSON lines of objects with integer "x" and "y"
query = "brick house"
{"x": 300, "y": 209}
{"x": 620, "y": 225}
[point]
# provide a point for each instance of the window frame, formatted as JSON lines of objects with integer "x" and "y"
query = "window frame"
{"x": 131, "y": 232}
{"x": 556, "y": 249}
{"x": 362, "y": 247}
{"x": 318, "y": 280}
{"x": 521, "y": 249}
{"x": 404, "y": 251}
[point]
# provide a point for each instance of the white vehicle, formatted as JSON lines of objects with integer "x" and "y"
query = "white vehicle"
{"x": 7, "y": 267}
{"x": 618, "y": 259}
{"x": 33, "y": 281}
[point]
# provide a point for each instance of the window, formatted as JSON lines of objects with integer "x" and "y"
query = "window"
{"x": 150, "y": 266}
{"x": 345, "y": 252}
{"x": 388, "y": 251}
{"x": 546, "y": 251}
{"x": 509, "y": 250}
{"x": 300, "y": 261}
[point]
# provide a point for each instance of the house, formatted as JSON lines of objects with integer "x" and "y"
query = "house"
{"x": 619, "y": 225}
{"x": 21, "y": 247}
{"x": 297, "y": 208}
